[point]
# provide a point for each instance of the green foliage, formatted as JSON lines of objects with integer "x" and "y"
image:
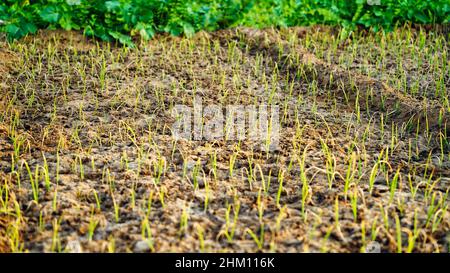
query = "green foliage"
{"x": 123, "y": 19}
{"x": 349, "y": 13}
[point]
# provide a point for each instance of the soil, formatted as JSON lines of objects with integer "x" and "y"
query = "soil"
{"x": 99, "y": 116}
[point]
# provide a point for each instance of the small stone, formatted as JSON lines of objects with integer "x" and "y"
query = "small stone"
{"x": 74, "y": 247}
{"x": 190, "y": 165}
{"x": 142, "y": 246}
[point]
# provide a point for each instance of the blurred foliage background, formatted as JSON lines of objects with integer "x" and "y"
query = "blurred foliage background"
{"x": 122, "y": 20}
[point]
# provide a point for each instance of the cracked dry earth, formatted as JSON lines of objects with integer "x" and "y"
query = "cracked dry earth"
{"x": 88, "y": 161}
